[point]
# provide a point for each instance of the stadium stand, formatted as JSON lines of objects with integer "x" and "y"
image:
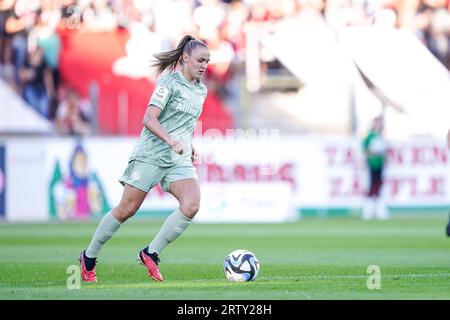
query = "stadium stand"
{"x": 102, "y": 49}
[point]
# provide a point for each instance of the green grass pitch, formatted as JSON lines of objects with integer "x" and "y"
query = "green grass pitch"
{"x": 311, "y": 259}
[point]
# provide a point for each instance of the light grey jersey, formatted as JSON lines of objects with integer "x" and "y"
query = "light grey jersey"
{"x": 181, "y": 103}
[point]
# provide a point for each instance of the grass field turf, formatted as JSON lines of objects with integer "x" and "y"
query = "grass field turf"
{"x": 311, "y": 259}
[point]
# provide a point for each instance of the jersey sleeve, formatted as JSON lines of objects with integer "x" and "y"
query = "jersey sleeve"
{"x": 366, "y": 141}
{"x": 161, "y": 95}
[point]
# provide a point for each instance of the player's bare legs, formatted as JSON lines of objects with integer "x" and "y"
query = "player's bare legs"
{"x": 132, "y": 199}
{"x": 187, "y": 192}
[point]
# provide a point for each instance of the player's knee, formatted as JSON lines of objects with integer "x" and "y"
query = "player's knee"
{"x": 125, "y": 211}
{"x": 190, "y": 207}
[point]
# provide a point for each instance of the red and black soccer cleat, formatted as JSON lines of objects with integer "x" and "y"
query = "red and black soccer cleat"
{"x": 150, "y": 261}
{"x": 86, "y": 275}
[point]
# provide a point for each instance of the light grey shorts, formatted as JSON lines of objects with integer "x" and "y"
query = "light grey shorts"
{"x": 145, "y": 176}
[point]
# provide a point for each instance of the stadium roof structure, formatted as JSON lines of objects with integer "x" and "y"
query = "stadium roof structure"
{"x": 367, "y": 68}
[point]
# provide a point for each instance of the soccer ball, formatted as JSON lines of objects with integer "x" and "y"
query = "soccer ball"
{"x": 240, "y": 266}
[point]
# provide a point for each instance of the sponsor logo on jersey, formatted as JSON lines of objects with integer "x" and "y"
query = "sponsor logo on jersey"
{"x": 187, "y": 109}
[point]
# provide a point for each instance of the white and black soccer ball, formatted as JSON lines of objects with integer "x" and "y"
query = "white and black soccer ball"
{"x": 241, "y": 265}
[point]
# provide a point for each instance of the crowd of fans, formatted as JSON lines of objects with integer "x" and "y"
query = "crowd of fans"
{"x": 30, "y": 45}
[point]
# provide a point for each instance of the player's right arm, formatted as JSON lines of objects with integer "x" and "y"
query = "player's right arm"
{"x": 152, "y": 123}
{"x": 158, "y": 101}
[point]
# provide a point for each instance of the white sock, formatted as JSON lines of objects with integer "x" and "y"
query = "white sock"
{"x": 368, "y": 209}
{"x": 172, "y": 228}
{"x": 105, "y": 230}
{"x": 381, "y": 210}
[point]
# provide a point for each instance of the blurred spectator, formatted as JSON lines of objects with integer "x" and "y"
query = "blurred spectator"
{"x": 98, "y": 16}
{"x": 44, "y": 36}
{"x": 430, "y": 20}
{"x": 72, "y": 116}
{"x": 70, "y": 14}
{"x": 234, "y": 27}
{"x": 209, "y": 17}
{"x": 439, "y": 36}
{"x": 374, "y": 148}
{"x": 29, "y": 24}
{"x": 222, "y": 56}
{"x": 37, "y": 82}
{"x": 6, "y": 68}
{"x": 18, "y": 24}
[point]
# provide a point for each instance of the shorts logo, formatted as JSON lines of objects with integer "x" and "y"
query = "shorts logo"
{"x": 160, "y": 94}
{"x": 135, "y": 176}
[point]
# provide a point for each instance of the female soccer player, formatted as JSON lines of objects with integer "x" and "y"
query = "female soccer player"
{"x": 163, "y": 153}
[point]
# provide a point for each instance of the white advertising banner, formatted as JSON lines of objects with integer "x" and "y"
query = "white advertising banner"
{"x": 242, "y": 180}
{"x": 418, "y": 173}
{"x": 246, "y": 202}
{"x": 26, "y": 189}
